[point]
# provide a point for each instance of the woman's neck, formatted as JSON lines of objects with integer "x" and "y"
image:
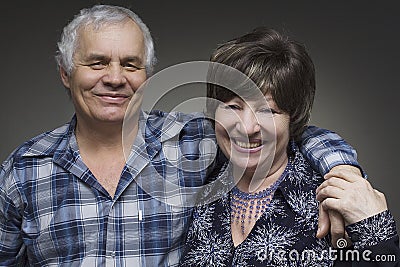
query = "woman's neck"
{"x": 251, "y": 182}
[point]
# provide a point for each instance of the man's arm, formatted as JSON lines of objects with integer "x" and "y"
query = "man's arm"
{"x": 12, "y": 250}
{"x": 325, "y": 150}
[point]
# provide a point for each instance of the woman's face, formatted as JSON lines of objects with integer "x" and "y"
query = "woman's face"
{"x": 253, "y": 134}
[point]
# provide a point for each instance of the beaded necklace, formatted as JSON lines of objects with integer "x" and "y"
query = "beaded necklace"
{"x": 256, "y": 203}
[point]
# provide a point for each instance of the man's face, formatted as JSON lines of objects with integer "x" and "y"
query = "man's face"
{"x": 108, "y": 69}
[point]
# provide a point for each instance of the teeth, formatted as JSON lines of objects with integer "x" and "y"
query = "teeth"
{"x": 248, "y": 145}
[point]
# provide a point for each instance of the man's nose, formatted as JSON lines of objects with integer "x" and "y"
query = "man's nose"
{"x": 114, "y": 76}
{"x": 248, "y": 123}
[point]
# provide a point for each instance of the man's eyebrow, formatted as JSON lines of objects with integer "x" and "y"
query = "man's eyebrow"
{"x": 100, "y": 57}
{"x": 132, "y": 59}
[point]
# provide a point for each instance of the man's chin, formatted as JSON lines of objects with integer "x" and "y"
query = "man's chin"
{"x": 114, "y": 119}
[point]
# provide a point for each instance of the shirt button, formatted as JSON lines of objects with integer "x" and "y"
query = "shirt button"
{"x": 112, "y": 254}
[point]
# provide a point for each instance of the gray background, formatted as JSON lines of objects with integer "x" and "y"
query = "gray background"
{"x": 354, "y": 45}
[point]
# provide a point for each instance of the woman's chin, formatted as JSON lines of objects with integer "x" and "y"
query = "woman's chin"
{"x": 244, "y": 167}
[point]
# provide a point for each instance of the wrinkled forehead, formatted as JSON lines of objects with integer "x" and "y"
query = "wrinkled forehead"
{"x": 108, "y": 25}
{"x": 97, "y": 22}
{"x": 125, "y": 37}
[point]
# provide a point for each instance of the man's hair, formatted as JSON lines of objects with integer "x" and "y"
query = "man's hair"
{"x": 277, "y": 65}
{"x": 98, "y": 16}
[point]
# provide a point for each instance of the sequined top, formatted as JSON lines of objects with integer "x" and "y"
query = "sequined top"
{"x": 285, "y": 234}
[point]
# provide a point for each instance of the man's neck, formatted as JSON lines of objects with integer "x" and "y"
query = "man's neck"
{"x": 103, "y": 136}
{"x": 102, "y": 150}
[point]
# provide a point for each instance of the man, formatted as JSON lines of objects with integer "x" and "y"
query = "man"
{"x": 69, "y": 197}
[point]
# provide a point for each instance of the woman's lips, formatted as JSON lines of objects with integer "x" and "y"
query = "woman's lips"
{"x": 247, "y": 146}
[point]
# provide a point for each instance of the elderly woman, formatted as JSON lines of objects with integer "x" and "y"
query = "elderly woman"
{"x": 270, "y": 216}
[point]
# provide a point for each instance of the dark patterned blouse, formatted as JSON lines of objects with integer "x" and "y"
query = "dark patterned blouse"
{"x": 285, "y": 233}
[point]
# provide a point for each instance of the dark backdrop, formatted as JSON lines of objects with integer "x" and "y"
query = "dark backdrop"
{"x": 354, "y": 45}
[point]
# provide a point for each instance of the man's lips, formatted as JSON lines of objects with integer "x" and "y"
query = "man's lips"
{"x": 113, "y": 98}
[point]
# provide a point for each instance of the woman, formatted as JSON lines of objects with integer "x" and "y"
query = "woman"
{"x": 269, "y": 218}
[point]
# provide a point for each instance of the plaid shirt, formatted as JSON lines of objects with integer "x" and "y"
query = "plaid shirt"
{"x": 53, "y": 212}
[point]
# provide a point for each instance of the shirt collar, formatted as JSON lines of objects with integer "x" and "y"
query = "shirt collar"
{"x": 159, "y": 127}
{"x": 299, "y": 184}
{"x": 162, "y": 125}
{"x": 52, "y": 142}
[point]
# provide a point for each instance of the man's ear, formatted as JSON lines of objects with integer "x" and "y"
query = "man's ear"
{"x": 64, "y": 77}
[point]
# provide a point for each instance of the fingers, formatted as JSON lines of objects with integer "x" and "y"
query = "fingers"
{"x": 332, "y": 222}
{"x": 345, "y": 174}
{"x": 349, "y": 242}
{"x": 331, "y": 204}
{"x": 323, "y": 222}
{"x": 349, "y": 194}
{"x": 337, "y": 228}
{"x": 334, "y": 181}
{"x": 337, "y": 187}
{"x": 330, "y": 192}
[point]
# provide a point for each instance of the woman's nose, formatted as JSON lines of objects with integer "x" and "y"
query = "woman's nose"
{"x": 248, "y": 124}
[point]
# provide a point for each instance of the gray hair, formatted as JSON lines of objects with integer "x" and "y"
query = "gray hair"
{"x": 100, "y": 15}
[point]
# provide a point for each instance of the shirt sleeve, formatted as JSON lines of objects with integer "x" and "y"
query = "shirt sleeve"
{"x": 376, "y": 241}
{"x": 325, "y": 149}
{"x": 12, "y": 250}
{"x": 372, "y": 230}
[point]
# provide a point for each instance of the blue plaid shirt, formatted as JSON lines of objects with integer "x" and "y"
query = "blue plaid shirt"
{"x": 53, "y": 211}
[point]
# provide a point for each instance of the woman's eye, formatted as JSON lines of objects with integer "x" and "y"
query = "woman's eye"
{"x": 268, "y": 111}
{"x": 232, "y": 106}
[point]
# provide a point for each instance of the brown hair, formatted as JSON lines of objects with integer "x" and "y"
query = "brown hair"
{"x": 277, "y": 65}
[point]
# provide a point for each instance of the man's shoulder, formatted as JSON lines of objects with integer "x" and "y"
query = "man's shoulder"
{"x": 44, "y": 144}
{"x": 156, "y": 116}
{"x": 170, "y": 124}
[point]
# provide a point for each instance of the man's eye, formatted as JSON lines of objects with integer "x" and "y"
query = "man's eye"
{"x": 97, "y": 65}
{"x": 132, "y": 67}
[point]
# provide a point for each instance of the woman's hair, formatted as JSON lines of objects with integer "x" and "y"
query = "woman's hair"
{"x": 98, "y": 16}
{"x": 277, "y": 65}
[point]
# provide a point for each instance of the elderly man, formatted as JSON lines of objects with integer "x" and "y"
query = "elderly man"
{"x": 69, "y": 197}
